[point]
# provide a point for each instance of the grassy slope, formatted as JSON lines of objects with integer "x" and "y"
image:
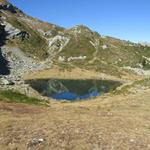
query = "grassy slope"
{"x": 79, "y": 45}
{"x": 118, "y": 54}
{"x": 35, "y": 45}
{"x": 15, "y": 97}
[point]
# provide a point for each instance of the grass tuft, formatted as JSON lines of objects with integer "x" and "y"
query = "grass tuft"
{"x": 16, "y": 97}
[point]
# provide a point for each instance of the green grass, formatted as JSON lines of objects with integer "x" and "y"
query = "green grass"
{"x": 125, "y": 89}
{"x": 118, "y": 54}
{"x": 35, "y": 45}
{"x": 78, "y": 47}
{"x": 145, "y": 82}
{"x": 16, "y": 97}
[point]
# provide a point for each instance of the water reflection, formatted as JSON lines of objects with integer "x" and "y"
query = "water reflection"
{"x": 72, "y": 89}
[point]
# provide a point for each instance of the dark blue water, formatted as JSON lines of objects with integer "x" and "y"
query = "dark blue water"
{"x": 73, "y": 96}
{"x": 63, "y": 89}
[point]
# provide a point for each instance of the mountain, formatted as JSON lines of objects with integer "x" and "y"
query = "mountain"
{"x": 31, "y": 44}
{"x": 145, "y": 43}
{"x": 72, "y": 64}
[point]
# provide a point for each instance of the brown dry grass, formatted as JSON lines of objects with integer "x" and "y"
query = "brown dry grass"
{"x": 76, "y": 73}
{"x": 107, "y": 123}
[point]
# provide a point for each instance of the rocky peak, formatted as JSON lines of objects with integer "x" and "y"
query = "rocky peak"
{"x": 80, "y": 29}
{"x": 145, "y": 44}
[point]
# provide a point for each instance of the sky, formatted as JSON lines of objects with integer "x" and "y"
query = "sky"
{"x": 124, "y": 19}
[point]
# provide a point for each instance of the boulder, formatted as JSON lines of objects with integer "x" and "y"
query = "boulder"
{"x": 23, "y": 35}
{"x": 6, "y": 82}
{"x": 2, "y": 34}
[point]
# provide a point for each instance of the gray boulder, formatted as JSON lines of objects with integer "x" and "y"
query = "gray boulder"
{"x": 6, "y": 82}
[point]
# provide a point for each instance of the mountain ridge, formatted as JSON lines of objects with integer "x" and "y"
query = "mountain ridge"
{"x": 39, "y": 58}
{"x": 51, "y": 45}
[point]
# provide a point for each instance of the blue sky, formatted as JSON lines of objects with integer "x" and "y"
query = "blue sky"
{"x": 125, "y": 19}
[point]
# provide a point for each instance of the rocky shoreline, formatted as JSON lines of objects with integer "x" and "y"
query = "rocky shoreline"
{"x": 19, "y": 64}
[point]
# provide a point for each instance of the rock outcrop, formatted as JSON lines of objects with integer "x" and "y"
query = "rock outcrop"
{"x": 4, "y": 81}
{"x": 4, "y": 64}
{"x": 4, "y": 5}
{"x": 2, "y": 34}
{"x": 56, "y": 44}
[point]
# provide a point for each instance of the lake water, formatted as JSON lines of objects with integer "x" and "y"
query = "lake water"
{"x": 63, "y": 89}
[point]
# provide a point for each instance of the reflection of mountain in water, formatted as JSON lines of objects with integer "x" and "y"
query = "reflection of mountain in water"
{"x": 73, "y": 89}
{"x": 73, "y": 96}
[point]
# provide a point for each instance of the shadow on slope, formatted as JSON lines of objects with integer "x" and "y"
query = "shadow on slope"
{"x": 4, "y": 64}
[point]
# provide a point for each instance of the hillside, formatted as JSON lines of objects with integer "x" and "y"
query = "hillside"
{"x": 116, "y": 118}
{"x": 69, "y": 48}
{"x": 31, "y": 48}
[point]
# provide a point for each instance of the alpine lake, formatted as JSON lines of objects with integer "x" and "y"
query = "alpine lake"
{"x": 72, "y": 90}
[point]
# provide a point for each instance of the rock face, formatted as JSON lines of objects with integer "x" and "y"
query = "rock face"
{"x": 10, "y": 30}
{"x": 6, "y": 82}
{"x": 13, "y": 32}
{"x": 56, "y": 44}
{"x": 2, "y": 34}
{"x": 4, "y": 64}
{"x": 8, "y": 7}
{"x": 23, "y": 35}
{"x": 20, "y": 63}
{"x": 14, "y": 63}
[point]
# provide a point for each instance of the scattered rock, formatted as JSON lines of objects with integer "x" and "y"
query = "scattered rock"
{"x": 34, "y": 142}
{"x": 22, "y": 35}
{"x": 104, "y": 47}
{"x": 6, "y": 82}
{"x": 61, "y": 58}
{"x": 56, "y": 44}
{"x": 138, "y": 71}
{"x": 10, "y": 30}
{"x": 76, "y": 58}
